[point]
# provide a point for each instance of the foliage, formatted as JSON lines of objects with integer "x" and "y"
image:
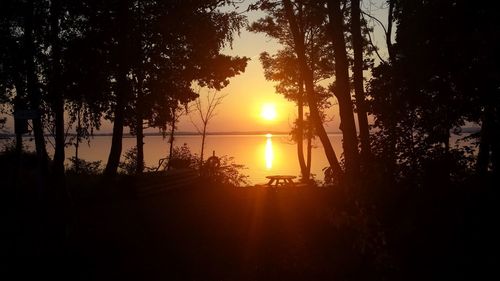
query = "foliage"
{"x": 82, "y": 167}
{"x": 129, "y": 164}
{"x": 229, "y": 173}
{"x": 433, "y": 86}
{"x": 226, "y": 172}
{"x": 183, "y": 158}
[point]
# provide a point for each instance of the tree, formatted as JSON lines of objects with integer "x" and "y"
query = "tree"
{"x": 206, "y": 112}
{"x": 341, "y": 88}
{"x": 176, "y": 111}
{"x": 434, "y": 83}
{"x": 283, "y": 68}
{"x": 166, "y": 51}
{"x": 357, "y": 70}
{"x": 298, "y": 18}
{"x": 122, "y": 91}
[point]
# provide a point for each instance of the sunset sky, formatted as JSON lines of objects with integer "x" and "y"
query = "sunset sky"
{"x": 241, "y": 110}
{"x": 250, "y": 91}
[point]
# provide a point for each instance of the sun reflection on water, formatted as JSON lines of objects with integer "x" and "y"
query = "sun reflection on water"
{"x": 269, "y": 152}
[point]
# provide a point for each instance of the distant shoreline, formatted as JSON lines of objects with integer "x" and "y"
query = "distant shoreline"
{"x": 466, "y": 130}
{"x": 127, "y": 135}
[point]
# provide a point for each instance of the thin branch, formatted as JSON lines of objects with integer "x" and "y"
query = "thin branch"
{"x": 371, "y": 41}
{"x": 377, "y": 20}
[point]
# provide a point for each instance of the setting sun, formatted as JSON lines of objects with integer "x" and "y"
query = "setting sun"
{"x": 268, "y": 111}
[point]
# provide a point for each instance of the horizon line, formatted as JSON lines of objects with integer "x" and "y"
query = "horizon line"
{"x": 180, "y": 133}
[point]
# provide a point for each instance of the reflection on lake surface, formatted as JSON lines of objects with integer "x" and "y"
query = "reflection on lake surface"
{"x": 263, "y": 155}
{"x": 269, "y": 155}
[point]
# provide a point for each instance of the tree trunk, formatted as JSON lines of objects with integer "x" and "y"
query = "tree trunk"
{"x": 116, "y": 140}
{"x": 19, "y": 104}
{"x": 357, "y": 45}
{"x": 77, "y": 164}
{"x": 300, "y": 133}
{"x": 388, "y": 39}
{"x": 342, "y": 91}
{"x": 203, "y": 145}
{"x": 139, "y": 135}
{"x": 172, "y": 132}
{"x": 483, "y": 157}
{"x": 77, "y": 144}
{"x": 121, "y": 94}
{"x": 309, "y": 151}
{"x": 495, "y": 148}
{"x": 34, "y": 95}
{"x": 56, "y": 93}
{"x": 310, "y": 93}
{"x": 139, "y": 129}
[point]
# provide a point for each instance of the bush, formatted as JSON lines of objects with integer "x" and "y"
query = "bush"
{"x": 79, "y": 166}
{"x": 229, "y": 172}
{"x": 129, "y": 165}
{"x": 182, "y": 158}
{"x": 226, "y": 172}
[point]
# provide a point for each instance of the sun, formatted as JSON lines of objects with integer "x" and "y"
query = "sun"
{"x": 268, "y": 111}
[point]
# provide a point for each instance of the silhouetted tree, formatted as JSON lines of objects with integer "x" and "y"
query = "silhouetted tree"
{"x": 168, "y": 46}
{"x": 206, "y": 112}
{"x": 434, "y": 83}
{"x": 357, "y": 70}
{"x": 290, "y": 23}
{"x": 341, "y": 88}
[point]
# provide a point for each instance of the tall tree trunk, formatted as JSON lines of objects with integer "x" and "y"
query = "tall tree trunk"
{"x": 121, "y": 93}
{"x": 300, "y": 132}
{"x": 203, "y": 145}
{"x": 495, "y": 147}
{"x": 483, "y": 157}
{"x": 34, "y": 95}
{"x": 309, "y": 150}
{"x": 171, "y": 140}
{"x": 310, "y": 93}
{"x": 357, "y": 45}
{"x": 55, "y": 90}
{"x": 342, "y": 91}
{"x": 139, "y": 129}
{"x": 19, "y": 104}
{"x": 77, "y": 144}
{"x": 139, "y": 135}
{"x": 116, "y": 140}
{"x": 388, "y": 35}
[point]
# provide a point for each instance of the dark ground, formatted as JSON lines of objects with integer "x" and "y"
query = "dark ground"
{"x": 209, "y": 232}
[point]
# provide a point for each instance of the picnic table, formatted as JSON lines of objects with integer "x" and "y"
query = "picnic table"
{"x": 280, "y": 180}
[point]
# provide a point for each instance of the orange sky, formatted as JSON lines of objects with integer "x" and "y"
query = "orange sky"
{"x": 246, "y": 93}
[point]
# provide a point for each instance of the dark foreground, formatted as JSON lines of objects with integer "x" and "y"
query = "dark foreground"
{"x": 209, "y": 232}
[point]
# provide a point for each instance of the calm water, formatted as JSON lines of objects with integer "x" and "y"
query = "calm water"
{"x": 262, "y": 155}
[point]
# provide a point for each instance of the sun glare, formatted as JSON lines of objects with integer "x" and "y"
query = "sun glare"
{"x": 268, "y": 111}
{"x": 269, "y": 156}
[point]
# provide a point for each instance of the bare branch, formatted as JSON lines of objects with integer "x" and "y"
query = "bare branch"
{"x": 370, "y": 38}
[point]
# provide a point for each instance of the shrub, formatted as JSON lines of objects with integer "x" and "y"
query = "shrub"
{"x": 79, "y": 166}
{"x": 229, "y": 172}
{"x": 129, "y": 165}
{"x": 183, "y": 158}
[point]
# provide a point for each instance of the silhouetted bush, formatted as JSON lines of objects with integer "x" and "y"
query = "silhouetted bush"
{"x": 129, "y": 165}
{"x": 182, "y": 158}
{"x": 83, "y": 167}
{"x": 229, "y": 172}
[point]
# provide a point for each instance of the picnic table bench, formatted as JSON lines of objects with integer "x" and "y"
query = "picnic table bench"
{"x": 280, "y": 180}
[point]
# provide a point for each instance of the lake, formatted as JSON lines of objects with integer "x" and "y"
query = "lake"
{"x": 262, "y": 155}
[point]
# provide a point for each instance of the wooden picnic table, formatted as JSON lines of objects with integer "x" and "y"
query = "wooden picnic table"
{"x": 280, "y": 180}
